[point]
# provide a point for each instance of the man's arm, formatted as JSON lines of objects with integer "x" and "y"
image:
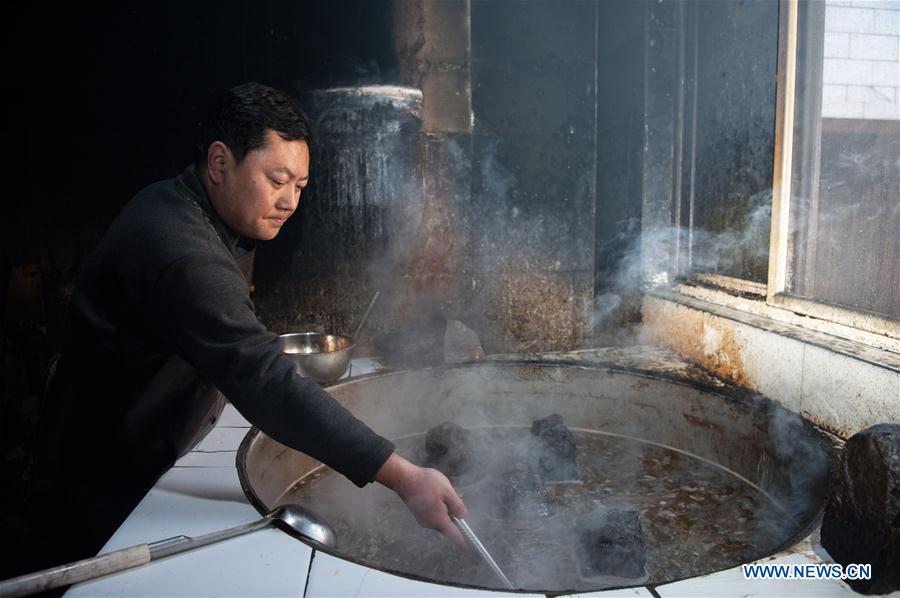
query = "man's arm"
{"x": 202, "y": 307}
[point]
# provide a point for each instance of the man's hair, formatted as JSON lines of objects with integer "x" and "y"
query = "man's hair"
{"x": 243, "y": 114}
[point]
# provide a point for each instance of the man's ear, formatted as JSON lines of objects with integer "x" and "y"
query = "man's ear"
{"x": 217, "y": 158}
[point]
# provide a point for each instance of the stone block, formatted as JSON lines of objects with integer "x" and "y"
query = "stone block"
{"x": 862, "y": 515}
{"x": 611, "y": 544}
{"x": 553, "y": 455}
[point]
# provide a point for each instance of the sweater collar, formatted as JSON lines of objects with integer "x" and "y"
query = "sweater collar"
{"x": 191, "y": 183}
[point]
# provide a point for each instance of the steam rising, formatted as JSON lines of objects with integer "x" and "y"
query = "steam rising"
{"x": 646, "y": 255}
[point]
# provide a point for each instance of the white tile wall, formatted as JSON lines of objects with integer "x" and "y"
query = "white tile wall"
{"x": 882, "y": 111}
{"x": 876, "y": 102}
{"x": 847, "y": 72}
{"x": 837, "y": 45}
{"x": 886, "y": 74}
{"x": 887, "y": 22}
{"x": 833, "y": 95}
{"x": 885, "y": 4}
{"x": 862, "y": 54}
{"x": 873, "y": 47}
{"x": 871, "y": 94}
{"x": 840, "y": 18}
{"x": 836, "y": 105}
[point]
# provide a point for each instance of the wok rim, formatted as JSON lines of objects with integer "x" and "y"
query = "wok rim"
{"x": 728, "y": 391}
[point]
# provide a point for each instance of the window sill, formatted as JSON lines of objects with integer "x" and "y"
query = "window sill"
{"x": 841, "y": 385}
{"x": 870, "y": 348}
{"x": 879, "y": 347}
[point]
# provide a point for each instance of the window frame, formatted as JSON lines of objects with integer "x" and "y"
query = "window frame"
{"x": 668, "y": 264}
{"x": 780, "y": 249}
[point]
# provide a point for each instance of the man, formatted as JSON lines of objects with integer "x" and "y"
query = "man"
{"x": 163, "y": 313}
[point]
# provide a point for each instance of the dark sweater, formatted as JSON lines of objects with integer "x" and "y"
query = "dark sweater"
{"x": 162, "y": 313}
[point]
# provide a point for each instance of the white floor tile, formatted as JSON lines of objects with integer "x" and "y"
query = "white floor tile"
{"x": 189, "y": 501}
{"x": 360, "y": 366}
{"x": 195, "y": 501}
{"x": 221, "y": 439}
{"x": 223, "y": 459}
{"x": 266, "y": 563}
{"x": 207, "y": 483}
{"x": 625, "y": 593}
{"x": 731, "y": 583}
{"x": 231, "y": 418}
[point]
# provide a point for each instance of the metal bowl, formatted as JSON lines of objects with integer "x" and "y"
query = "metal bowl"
{"x": 322, "y": 357}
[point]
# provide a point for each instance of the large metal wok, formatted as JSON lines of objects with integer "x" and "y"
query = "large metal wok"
{"x": 716, "y": 475}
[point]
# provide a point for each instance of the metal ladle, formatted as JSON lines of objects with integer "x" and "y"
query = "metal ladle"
{"x": 293, "y": 519}
{"x": 359, "y": 328}
{"x": 364, "y": 318}
{"x": 481, "y": 550}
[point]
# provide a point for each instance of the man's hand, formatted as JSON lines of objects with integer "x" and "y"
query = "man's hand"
{"x": 427, "y": 493}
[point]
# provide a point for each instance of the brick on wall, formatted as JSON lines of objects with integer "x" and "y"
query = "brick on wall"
{"x": 862, "y": 59}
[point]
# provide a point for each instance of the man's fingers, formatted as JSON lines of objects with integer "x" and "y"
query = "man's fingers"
{"x": 451, "y": 531}
{"x": 455, "y": 505}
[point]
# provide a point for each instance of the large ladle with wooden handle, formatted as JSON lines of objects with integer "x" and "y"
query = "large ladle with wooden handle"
{"x": 292, "y": 519}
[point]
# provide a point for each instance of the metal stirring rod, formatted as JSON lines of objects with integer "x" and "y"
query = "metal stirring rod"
{"x": 480, "y": 549}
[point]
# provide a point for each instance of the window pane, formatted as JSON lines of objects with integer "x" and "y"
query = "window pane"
{"x": 731, "y": 149}
{"x": 845, "y": 192}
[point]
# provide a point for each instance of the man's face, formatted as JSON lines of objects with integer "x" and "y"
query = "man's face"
{"x": 254, "y": 198}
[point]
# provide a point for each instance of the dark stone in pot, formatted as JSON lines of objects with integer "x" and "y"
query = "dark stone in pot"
{"x": 449, "y": 449}
{"x": 611, "y": 543}
{"x": 862, "y": 515}
{"x": 554, "y": 456}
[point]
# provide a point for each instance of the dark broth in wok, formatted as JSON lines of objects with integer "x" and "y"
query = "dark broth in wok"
{"x": 695, "y": 516}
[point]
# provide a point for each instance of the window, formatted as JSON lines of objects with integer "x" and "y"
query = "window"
{"x": 835, "y": 249}
{"x": 784, "y": 190}
{"x": 729, "y": 132}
